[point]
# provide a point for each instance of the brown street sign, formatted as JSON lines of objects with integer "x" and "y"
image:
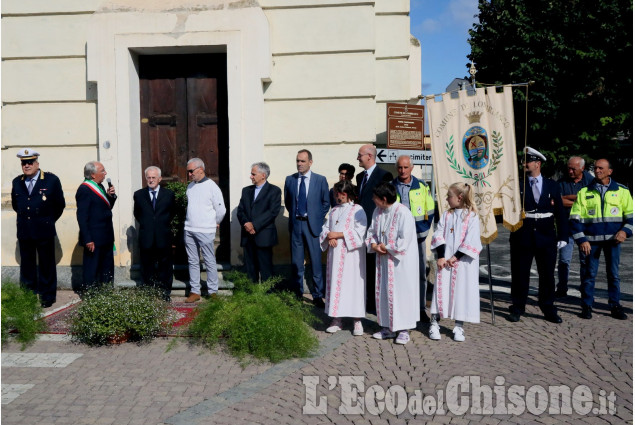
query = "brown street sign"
{"x": 405, "y": 126}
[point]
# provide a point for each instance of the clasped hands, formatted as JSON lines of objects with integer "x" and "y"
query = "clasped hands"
{"x": 442, "y": 263}
{"x": 379, "y": 248}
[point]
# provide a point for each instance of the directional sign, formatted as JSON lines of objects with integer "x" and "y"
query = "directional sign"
{"x": 389, "y": 156}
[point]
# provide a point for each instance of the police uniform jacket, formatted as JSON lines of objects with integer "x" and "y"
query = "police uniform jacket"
{"x": 37, "y": 212}
{"x": 545, "y": 231}
{"x": 597, "y": 219}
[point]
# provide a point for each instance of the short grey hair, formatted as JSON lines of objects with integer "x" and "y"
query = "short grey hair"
{"x": 89, "y": 169}
{"x": 198, "y": 162}
{"x": 262, "y": 167}
{"x": 404, "y": 156}
{"x": 578, "y": 158}
{"x": 152, "y": 167}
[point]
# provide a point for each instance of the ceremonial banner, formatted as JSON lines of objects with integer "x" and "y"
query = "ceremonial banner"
{"x": 473, "y": 141}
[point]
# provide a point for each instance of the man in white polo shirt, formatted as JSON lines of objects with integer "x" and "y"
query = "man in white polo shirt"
{"x": 205, "y": 211}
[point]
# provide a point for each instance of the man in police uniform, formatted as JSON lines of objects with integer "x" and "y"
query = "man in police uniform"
{"x": 38, "y": 199}
{"x": 601, "y": 219}
{"x": 415, "y": 194}
{"x": 543, "y": 232}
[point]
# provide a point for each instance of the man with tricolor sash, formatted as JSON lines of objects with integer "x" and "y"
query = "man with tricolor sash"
{"x": 96, "y": 234}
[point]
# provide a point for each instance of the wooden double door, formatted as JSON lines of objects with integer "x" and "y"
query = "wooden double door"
{"x": 183, "y": 116}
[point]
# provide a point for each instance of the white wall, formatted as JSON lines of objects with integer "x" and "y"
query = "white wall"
{"x": 313, "y": 74}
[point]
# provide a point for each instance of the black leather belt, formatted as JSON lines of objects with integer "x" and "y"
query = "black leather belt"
{"x": 301, "y": 218}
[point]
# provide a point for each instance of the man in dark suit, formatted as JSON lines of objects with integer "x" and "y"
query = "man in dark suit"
{"x": 306, "y": 198}
{"x": 154, "y": 209}
{"x": 257, "y": 211}
{"x": 544, "y": 230}
{"x": 367, "y": 180}
{"x": 38, "y": 199}
{"x": 96, "y": 234}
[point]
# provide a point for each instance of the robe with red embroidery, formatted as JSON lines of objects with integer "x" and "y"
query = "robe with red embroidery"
{"x": 346, "y": 263}
{"x": 397, "y": 272}
{"x": 456, "y": 292}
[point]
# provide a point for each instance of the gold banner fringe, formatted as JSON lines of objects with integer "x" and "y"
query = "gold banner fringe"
{"x": 489, "y": 239}
{"x": 513, "y": 227}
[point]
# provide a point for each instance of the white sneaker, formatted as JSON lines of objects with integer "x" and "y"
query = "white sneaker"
{"x": 384, "y": 333}
{"x": 336, "y": 325}
{"x": 403, "y": 338}
{"x": 459, "y": 334}
{"x": 434, "y": 331}
{"x": 358, "y": 330}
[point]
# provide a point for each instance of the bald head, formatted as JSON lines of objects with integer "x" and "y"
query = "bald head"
{"x": 366, "y": 156}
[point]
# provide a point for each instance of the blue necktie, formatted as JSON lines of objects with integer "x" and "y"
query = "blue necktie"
{"x": 364, "y": 181}
{"x": 535, "y": 190}
{"x": 154, "y": 199}
{"x": 302, "y": 198}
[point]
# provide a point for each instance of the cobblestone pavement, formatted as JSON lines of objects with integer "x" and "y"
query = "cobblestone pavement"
{"x": 518, "y": 364}
{"x": 145, "y": 384}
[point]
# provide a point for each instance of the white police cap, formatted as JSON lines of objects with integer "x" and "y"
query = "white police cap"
{"x": 27, "y": 153}
{"x": 532, "y": 154}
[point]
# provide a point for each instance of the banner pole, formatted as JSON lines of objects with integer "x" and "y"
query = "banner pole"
{"x": 489, "y": 279}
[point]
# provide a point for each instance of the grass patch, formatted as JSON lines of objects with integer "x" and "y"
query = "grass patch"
{"x": 112, "y": 315}
{"x": 21, "y": 310}
{"x": 255, "y": 322}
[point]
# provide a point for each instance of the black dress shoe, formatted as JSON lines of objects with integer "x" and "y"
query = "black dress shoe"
{"x": 318, "y": 302}
{"x": 587, "y": 312}
{"x": 514, "y": 314}
{"x": 561, "y": 293}
{"x": 553, "y": 318}
{"x": 47, "y": 304}
{"x": 617, "y": 312}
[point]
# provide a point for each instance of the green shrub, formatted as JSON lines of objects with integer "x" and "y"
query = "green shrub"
{"x": 107, "y": 314}
{"x": 21, "y": 310}
{"x": 180, "y": 198}
{"x": 256, "y": 322}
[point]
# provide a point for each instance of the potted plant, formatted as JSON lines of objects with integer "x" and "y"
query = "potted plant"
{"x": 109, "y": 315}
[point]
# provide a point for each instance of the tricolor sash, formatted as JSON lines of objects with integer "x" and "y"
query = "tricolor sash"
{"x": 98, "y": 190}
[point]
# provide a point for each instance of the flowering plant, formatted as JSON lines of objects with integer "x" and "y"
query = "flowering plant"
{"x": 108, "y": 314}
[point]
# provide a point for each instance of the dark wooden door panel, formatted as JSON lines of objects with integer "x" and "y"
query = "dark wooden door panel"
{"x": 164, "y": 126}
{"x": 202, "y": 111}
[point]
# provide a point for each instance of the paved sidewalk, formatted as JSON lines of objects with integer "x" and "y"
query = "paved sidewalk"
{"x": 145, "y": 384}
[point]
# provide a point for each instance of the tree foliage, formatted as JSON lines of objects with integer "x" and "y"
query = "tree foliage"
{"x": 579, "y": 53}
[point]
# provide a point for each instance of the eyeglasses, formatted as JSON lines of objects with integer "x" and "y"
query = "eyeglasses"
{"x": 27, "y": 162}
{"x": 192, "y": 170}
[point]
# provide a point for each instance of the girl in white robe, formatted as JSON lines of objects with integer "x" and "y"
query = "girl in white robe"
{"x": 457, "y": 241}
{"x": 393, "y": 236}
{"x": 343, "y": 236}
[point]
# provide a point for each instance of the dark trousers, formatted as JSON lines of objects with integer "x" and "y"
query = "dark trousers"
{"x": 258, "y": 261}
{"x": 40, "y": 276}
{"x": 589, "y": 265}
{"x": 522, "y": 255}
{"x": 302, "y": 238}
{"x": 157, "y": 268}
{"x": 98, "y": 267}
{"x": 371, "y": 270}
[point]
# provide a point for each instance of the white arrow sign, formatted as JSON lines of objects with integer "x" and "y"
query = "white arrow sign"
{"x": 389, "y": 156}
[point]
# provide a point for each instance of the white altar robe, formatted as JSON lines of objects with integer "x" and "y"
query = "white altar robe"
{"x": 456, "y": 292}
{"x": 346, "y": 263}
{"x": 397, "y": 278}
